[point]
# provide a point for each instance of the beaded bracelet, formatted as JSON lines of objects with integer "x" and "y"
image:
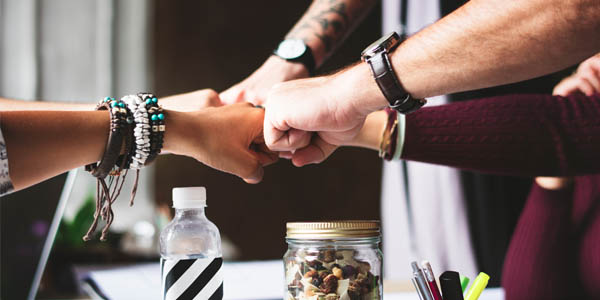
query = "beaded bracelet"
{"x": 141, "y": 131}
{"x": 107, "y": 193}
{"x": 138, "y": 122}
{"x": 157, "y": 125}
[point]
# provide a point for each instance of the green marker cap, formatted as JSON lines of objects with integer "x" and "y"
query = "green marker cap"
{"x": 464, "y": 282}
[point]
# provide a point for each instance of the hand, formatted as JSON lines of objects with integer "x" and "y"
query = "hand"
{"x": 334, "y": 107}
{"x": 192, "y": 101}
{"x": 585, "y": 80}
{"x": 227, "y": 138}
{"x": 254, "y": 89}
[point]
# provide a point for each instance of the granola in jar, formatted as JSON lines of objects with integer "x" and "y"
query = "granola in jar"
{"x": 333, "y": 261}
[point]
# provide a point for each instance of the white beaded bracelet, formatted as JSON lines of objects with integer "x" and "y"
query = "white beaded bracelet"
{"x": 141, "y": 132}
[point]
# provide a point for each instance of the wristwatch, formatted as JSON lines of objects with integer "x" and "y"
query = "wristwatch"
{"x": 377, "y": 56}
{"x": 296, "y": 50}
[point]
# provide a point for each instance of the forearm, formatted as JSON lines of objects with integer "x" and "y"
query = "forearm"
{"x": 492, "y": 42}
{"x": 327, "y": 22}
{"x": 21, "y": 105}
{"x": 370, "y": 134}
{"x": 532, "y": 135}
{"x": 526, "y": 135}
{"x": 43, "y": 144}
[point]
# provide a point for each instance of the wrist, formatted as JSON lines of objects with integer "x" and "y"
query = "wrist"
{"x": 364, "y": 95}
{"x": 371, "y": 133}
{"x": 287, "y": 70}
{"x": 188, "y": 133}
{"x": 174, "y": 132}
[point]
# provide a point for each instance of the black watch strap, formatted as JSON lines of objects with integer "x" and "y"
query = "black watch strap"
{"x": 307, "y": 59}
{"x": 390, "y": 86}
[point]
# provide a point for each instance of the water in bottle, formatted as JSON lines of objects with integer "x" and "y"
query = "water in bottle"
{"x": 190, "y": 249}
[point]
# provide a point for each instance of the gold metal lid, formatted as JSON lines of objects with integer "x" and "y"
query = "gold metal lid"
{"x": 333, "y": 229}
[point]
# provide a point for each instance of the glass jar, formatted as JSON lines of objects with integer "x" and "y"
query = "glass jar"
{"x": 337, "y": 260}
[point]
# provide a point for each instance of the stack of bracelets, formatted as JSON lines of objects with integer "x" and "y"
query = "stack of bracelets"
{"x": 137, "y": 127}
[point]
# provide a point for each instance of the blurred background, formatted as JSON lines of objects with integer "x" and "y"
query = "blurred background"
{"x": 82, "y": 50}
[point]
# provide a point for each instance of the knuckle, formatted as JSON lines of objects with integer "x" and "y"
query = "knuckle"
{"x": 211, "y": 93}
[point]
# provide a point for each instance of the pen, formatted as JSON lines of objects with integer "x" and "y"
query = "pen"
{"x": 417, "y": 288}
{"x": 435, "y": 291}
{"x": 478, "y": 285}
{"x": 451, "y": 289}
{"x": 464, "y": 282}
{"x": 420, "y": 279}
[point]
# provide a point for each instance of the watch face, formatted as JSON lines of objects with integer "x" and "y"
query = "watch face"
{"x": 387, "y": 42}
{"x": 290, "y": 49}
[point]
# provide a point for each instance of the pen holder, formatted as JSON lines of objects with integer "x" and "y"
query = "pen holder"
{"x": 333, "y": 261}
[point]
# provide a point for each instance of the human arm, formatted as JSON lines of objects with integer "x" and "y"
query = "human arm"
{"x": 522, "y": 135}
{"x": 585, "y": 80}
{"x": 484, "y": 43}
{"x": 190, "y": 101}
{"x": 323, "y": 28}
{"x": 42, "y": 144}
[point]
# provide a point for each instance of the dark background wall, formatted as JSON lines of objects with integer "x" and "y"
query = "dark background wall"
{"x": 214, "y": 44}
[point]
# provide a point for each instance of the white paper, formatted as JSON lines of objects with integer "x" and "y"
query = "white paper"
{"x": 242, "y": 280}
{"x": 247, "y": 280}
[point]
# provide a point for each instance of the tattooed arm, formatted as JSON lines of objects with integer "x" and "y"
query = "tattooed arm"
{"x": 327, "y": 23}
{"x": 323, "y": 28}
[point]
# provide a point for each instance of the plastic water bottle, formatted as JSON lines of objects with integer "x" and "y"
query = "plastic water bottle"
{"x": 190, "y": 250}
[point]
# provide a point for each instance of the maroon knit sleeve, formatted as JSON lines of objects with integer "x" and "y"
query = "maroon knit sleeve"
{"x": 532, "y": 135}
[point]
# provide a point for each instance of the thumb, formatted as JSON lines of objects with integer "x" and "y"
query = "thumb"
{"x": 315, "y": 153}
{"x": 248, "y": 166}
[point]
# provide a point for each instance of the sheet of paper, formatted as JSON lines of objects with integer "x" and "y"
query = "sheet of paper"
{"x": 247, "y": 280}
{"x": 488, "y": 294}
{"x": 260, "y": 280}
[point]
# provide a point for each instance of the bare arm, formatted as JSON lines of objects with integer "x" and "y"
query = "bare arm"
{"x": 327, "y": 22}
{"x": 323, "y": 28}
{"x": 12, "y": 105}
{"x": 188, "y": 102}
{"x": 491, "y": 42}
{"x": 42, "y": 144}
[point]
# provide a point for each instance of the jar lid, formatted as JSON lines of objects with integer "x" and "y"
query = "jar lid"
{"x": 333, "y": 229}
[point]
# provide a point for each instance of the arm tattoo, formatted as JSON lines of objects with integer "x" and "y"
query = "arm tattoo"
{"x": 329, "y": 21}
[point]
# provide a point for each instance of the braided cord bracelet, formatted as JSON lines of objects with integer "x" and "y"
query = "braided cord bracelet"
{"x": 107, "y": 193}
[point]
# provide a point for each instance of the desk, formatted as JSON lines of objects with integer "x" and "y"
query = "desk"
{"x": 243, "y": 280}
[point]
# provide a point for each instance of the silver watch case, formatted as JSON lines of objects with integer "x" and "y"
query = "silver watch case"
{"x": 386, "y": 43}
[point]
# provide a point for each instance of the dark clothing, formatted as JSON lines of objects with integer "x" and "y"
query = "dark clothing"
{"x": 555, "y": 249}
{"x": 522, "y": 135}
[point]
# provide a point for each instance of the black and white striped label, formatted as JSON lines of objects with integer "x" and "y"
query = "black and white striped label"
{"x": 192, "y": 279}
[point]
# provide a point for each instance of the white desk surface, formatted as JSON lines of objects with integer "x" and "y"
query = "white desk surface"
{"x": 243, "y": 280}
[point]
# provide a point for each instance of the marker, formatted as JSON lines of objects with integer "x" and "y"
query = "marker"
{"x": 464, "y": 282}
{"x": 450, "y": 282}
{"x": 478, "y": 285}
{"x": 418, "y": 276}
{"x": 435, "y": 291}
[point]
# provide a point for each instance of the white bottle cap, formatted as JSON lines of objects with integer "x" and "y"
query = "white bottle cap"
{"x": 189, "y": 197}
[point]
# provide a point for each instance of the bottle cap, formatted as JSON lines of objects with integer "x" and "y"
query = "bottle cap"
{"x": 189, "y": 197}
